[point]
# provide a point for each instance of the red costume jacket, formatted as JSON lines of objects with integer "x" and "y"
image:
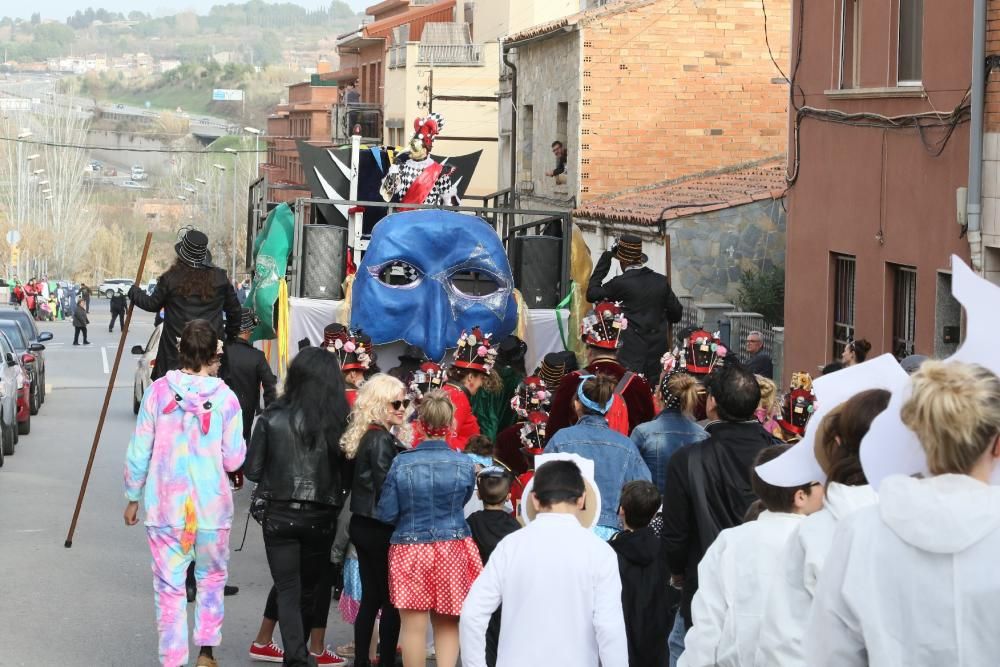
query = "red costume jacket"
{"x": 638, "y": 397}
{"x": 507, "y": 449}
{"x": 466, "y": 424}
{"x": 352, "y": 395}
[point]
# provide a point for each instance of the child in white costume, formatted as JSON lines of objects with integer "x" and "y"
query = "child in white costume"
{"x": 737, "y": 571}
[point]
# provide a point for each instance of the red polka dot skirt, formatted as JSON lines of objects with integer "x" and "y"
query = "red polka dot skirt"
{"x": 433, "y": 577}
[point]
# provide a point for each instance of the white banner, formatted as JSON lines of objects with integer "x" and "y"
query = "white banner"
{"x": 227, "y": 95}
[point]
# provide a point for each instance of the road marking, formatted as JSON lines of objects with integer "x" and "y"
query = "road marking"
{"x": 104, "y": 358}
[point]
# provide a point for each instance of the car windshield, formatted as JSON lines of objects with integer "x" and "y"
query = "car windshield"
{"x": 20, "y": 317}
{"x": 14, "y": 334}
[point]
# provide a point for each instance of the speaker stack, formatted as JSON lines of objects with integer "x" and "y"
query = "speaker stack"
{"x": 324, "y": 261}
{"x": 536, "y": 262}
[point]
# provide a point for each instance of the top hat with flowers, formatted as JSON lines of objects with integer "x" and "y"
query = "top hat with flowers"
{"x": 353, "y": 348}
{"x": 530, "y": 396}
{"x": 702, "y": 352}
{"x": 474, "y": 352}
{"x": 798, "y": 405}
{"x": 533, "y": 435}
{"x": 552, "y": 370}
{"x": 602, "y": 327}
{"x": 428, "y": 377}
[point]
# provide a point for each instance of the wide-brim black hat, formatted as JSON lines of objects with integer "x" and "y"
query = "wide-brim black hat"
{"x": 629, "y": 250}
{"x": 192, "y": 249}
{"x": 413, "y": 353}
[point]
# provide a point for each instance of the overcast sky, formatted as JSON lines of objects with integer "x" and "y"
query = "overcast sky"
{"x": 60, "y": 9}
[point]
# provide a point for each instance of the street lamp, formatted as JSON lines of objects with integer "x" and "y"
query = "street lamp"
{"x": 38, "y": 171}
{"x": 45, "y": 182}
{"x": 235, "y": 154}
{"x": 256, "y": 143}
{"x": 201, "y": 180}
{"x": 33, "y": 156}
{"x": 24, "y": 134}
{"x": 222, "y": 169}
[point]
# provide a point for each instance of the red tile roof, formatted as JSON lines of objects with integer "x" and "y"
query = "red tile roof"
{"x": 580, "y": 18}
{"x": 704, "y": 193}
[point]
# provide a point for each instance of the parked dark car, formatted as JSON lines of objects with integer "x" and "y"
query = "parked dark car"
{"x": 34, "y": 336}
{"x": 28, "y": 354}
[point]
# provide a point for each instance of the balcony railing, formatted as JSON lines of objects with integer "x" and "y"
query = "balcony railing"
{"x": 467, "y": 55}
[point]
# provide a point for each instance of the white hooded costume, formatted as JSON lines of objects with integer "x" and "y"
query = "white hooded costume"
{"x": 790, "y": 598}
{"x": 734, "y": 577}
{"x": 912, "y": 581}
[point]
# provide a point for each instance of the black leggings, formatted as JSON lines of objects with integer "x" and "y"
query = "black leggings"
{"x": 297, "y": 542}
{"x": 371, "y": 540}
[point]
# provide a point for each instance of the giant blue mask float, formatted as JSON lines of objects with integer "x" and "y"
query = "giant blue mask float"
{"x": 409, "y": 283}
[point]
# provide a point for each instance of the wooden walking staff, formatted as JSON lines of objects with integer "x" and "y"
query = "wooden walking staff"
{"x": 107, "y": 397}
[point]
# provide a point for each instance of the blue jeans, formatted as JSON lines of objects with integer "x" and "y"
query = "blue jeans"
{"x": 676, "y": 639}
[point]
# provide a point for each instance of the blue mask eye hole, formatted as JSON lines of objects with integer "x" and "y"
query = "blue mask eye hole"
{"x": 472, "y": 283}
{"x": 398, "y": 273}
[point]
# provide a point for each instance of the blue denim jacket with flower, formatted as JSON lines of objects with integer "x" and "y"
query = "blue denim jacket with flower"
{"x": 659, "y": 439}
{"x": 616, "y": 460}
{"x": 425, "y": 492}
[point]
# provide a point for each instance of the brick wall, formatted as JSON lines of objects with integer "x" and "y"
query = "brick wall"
{"x": 993, "y": 84}
{"x": 674, "y": 88}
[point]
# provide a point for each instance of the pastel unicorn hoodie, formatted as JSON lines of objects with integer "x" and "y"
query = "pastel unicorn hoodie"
{"x": 189, "y": 434}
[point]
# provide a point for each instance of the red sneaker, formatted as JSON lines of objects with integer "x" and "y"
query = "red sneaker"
{"x": 328, "y": 657}
{"x": 269, "y": 653}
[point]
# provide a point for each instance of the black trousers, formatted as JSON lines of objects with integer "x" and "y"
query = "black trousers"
{"x": 120, "y": 316}
{"x": 76, "y": 334}
{"x": 315, "y": 617}
{"x": 371, "y": 540}
{"x": 297, "y": 542}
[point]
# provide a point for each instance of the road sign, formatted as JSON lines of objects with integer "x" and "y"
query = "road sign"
{"x": 15, "y": 255}
{"x": 13, "y": 237}
{"x": 227, "y": 95}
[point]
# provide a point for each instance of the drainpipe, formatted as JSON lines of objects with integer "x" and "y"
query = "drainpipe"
{"x": 513, "y": 117}
{"x": 975, "y": 197}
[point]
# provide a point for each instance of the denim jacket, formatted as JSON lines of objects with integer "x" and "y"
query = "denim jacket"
{"x": 616, "y": 460}
{"x": 425, "y": 493}
{"x": 657, "y": 441}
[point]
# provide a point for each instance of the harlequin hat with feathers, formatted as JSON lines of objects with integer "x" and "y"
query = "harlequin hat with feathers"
{"x": 798, "y": 405}
{"x": 474, "y": 352}
{"x": 602, "y": 327}
{"x": 427, "y": 128}
{"x": 530, "y": 396}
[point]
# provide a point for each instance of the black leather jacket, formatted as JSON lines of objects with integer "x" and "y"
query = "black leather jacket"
{"x": 376, "y": 451}
{"x": 287, "y": 469}
{"x": 245, "y": 370}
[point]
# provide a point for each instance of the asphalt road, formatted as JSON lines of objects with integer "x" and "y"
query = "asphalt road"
{"x": 93, "y": 604}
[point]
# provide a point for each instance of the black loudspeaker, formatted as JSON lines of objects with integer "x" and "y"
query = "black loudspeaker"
{"x": 536, "y": 262}
{"x": 323, "y": 262}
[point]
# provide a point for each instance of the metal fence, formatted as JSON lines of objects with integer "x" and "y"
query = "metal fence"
{"x": 468, "y": 55}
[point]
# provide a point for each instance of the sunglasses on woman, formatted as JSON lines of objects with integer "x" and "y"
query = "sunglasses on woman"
{"x": 400, "y": 405}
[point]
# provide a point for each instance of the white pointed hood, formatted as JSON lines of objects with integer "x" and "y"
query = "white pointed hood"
{"x": 945, "y": 514}
{"x": 842, "y": 500}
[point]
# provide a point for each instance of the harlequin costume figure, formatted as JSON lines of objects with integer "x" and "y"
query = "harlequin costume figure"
{"x": 797, "y": 407}
{"x": 601, "y": 332}
{"x": 699, "y": 354}
{"x": 416, "y": 178}
{"x": 354, "y": 351}
{"x": 474, "y": 359}
{"x": 427, "y": 378}
{"x": 532, "y": 435}
{"x": 531, "y": 396}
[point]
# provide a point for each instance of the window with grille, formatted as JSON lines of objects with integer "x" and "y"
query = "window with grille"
{"x": 904, "y": 315}
{"x": 843, "y": 303}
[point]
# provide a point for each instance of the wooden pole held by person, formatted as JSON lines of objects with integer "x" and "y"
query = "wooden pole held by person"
{"x": 107, "y": 397}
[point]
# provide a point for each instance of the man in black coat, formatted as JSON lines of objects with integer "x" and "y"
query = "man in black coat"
{"x": 758, "y": 362}
{"x": 246, "y": 371}
{"x": 708, "y": 483}
{"x": 647, "y": 299}
{"x": 191, "y": 289}
{"x": 117, "y": 311}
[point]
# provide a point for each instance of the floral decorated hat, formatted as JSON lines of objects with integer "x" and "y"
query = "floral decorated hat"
{"x": 353, "y": 348}
{"x": 603, "y": 326}
{"x": 475, "y": 352}
{"x": 428, "y": 377}
{"x": 530, "y": 396}
{"x": 702, "y": 352}
{"x": 798, "y": 405}
{"x": 533, "y": 435}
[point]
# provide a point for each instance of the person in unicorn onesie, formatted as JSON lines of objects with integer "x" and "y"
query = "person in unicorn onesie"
{"x": 188, "y": 435}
